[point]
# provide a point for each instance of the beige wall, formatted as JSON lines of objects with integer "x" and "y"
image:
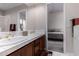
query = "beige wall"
{"x": 2, "y": 13}
{"x": 2, "y": 23}
{"x": 71, "y": 11}
{"x": 56, "y": 20}
{"x": 15, "y": 9}
{"x": 36, "y": 17}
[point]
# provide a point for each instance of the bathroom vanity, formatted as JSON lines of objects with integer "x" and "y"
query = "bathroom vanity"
{"x": 31, "y": 45}
{"x": 32, "y": 49}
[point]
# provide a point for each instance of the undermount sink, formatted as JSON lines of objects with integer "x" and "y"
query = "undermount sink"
{"x": 13, "y": 40}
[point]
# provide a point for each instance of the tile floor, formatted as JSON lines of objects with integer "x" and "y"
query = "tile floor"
{"x": 61, "y": 54}
{"x": 54, "y": 53}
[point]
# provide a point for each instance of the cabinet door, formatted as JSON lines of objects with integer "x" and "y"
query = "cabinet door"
{"x": 30, "y": 49}
{"x": 36, "y": 47}
{"x": 42, "y": 43}
{"x": 37, "y": 50}
{"x": 23, "y": 51}
{"x": 27, "y": 50}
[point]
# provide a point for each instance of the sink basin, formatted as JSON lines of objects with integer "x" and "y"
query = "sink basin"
{"x": 13, "y": 40}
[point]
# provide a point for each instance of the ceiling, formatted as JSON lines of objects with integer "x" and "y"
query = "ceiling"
{"x": 55, "y": 7}
{"x": 52, "y": 7}
{"x": 32, "y": 4}
{"x": 6, "y": 6}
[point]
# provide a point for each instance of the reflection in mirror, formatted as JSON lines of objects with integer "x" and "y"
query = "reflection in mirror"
{"x": 9, "y": 22}
{"x": 13, "y": 22}
{"x": 12, "y": 27}
{"x": 22, "y": 20}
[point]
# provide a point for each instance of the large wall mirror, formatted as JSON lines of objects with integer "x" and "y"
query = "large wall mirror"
{"x": 13, "y": 22}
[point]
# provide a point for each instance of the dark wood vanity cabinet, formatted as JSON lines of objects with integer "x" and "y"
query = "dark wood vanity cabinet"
{"x": 24, "y": 51}
{"x": 27, "y": 50}
{"x": 16, "y": 53}
{"x": 34, "y": 48}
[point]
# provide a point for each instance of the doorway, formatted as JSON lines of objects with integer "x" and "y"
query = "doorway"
{"x": 55, "y": 27}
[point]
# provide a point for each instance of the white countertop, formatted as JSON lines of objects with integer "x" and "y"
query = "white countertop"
{"x": 5, "y": 50}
